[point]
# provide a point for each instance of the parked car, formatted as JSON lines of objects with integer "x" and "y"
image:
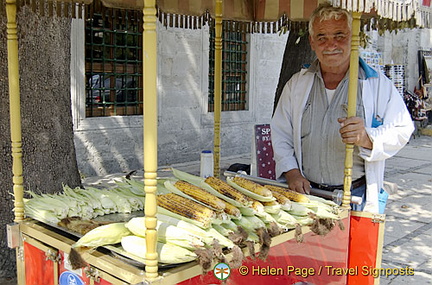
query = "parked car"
{"x": 100, "y": 88}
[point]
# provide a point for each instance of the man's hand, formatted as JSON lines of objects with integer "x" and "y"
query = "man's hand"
{"x": 297, "y": 182}
{"x": 353, "y": 131}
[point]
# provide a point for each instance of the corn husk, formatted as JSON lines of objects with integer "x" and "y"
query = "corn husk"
{"x": 166, "y": 233}
{"x": 103, "y": 235}
{"x": 167, "y": 253}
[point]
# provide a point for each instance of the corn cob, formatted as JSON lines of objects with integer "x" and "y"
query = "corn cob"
{"x": 258, "y": 206}
{"x": 232, "y": 210}
{"x": 200, "y": 195}
{"x": 252, "y": 186}
{"x": 186, "y": 208}
{"x": 285, "y": 219}
{"x": 299, "y": 210}
{"x": 269, "y": 204}
{"x": 281, "y": 199}
{"x": 255, "y": 221}
{"x": 167, "y": 253}
{"x": 103, "y": 235}
{"x": 167, "y": 233}
{"x": 225, "y": 189}
{"x": 292, "y": 195}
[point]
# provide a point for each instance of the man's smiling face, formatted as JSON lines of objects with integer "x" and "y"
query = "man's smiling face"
{"x": 331, "y": 41}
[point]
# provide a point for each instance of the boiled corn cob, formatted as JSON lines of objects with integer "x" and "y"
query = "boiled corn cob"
{"x": 186, "y": 207}
{"x": 200, "y": 195}
{"x": 225, "y": 189}
{"x": 247, "y": 211}
{"x": 167, "y": 253}
{"x": 299, "y": 209}
{"x": 292, "y": 195}
{"x": 187, "y": 226}
{"x": 272, "y": 207}
{"x": 230, "y": 225}
{"x": 167, "y": 233}
{"x": 103, "y": 235}
{"x": 244, "y": 223}
{"x": 252, "y": 186}
{"x": 255, "y": 221}
{"x": 222, "y": 230}
{"x": 258, "y": 207}
{"x": 285, "y": 219}
{"x": 253, "y": 237}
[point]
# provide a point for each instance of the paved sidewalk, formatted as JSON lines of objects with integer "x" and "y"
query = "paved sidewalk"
{"x": 408, "y": 229}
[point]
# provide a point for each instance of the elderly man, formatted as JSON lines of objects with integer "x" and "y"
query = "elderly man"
{"x": 310, "y": 126}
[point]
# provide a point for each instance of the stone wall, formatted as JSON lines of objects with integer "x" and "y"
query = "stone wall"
{"x": 402, "y": 48}
{"x": 108, "y": 145}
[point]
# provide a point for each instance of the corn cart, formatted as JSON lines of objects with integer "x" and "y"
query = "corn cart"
{"x": 334, "y": 258}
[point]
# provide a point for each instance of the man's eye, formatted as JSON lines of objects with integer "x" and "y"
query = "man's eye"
{"x": 340, "y": 37}
{"x": 321, "y": 39}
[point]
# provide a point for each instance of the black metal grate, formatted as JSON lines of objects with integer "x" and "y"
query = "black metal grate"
{"x": 113, "y": 55}
{"x": 234, "y": 67}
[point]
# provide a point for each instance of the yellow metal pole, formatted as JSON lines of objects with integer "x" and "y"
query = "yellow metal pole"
{"x": 217, "y": 86}
{"x": 352, "y": 103}
{"x": 15, "y": 109}
{"x": 150, "y": 134}
{"x": 15, "y": 123}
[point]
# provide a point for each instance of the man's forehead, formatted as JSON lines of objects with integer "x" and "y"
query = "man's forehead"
{"x": 331, "y": 25}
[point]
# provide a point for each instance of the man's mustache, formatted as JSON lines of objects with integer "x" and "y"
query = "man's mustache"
{"x": 329, "y": 52}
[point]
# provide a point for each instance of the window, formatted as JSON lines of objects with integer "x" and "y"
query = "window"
{"x": 234, "y": 67}
{"x": 113, "y": 62}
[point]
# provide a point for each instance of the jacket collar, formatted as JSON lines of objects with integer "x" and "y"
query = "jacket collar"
{"x": 369, "y": 71}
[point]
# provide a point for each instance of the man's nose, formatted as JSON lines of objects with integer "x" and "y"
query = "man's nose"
{"x": 331, "y": 42}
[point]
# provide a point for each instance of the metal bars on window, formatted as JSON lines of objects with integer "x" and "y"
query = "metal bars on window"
{"x": 234, "y": 67}
{"x": 113, "y": 56}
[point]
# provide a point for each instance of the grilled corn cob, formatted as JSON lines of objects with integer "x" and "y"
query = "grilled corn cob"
{"x": 225, "y": 189}
{"x": 186, "y": 208}
{"x": 292, "y": 195}
{"x": 281, "y": 199}
{"x": 232, "y": 210}
{"x": 200, "y": 195}
{"x": 252, "y": 186}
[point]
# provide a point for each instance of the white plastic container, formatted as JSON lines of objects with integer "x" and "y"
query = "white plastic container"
{"x": 207, "y": 163}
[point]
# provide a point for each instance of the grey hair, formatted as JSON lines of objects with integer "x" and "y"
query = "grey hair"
{"x": 326, "y": 11}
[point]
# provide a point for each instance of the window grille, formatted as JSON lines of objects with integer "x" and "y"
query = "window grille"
{"x": 234, "y": 67}
{"x": 113, "y": 59}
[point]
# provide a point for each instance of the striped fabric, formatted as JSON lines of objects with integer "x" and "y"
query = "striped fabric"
{"x": 232, "y": 9}
{"x": 243, "y": 10}
{"x": 248, "y": 10}
{"x": 296, "y": 10}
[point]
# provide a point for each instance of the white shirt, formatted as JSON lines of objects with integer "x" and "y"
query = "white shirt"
{"x": 380, "y": 100}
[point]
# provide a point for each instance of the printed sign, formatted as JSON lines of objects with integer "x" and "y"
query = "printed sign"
{"x": 70, "y": 278}
{"x": 265, "y": 163}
